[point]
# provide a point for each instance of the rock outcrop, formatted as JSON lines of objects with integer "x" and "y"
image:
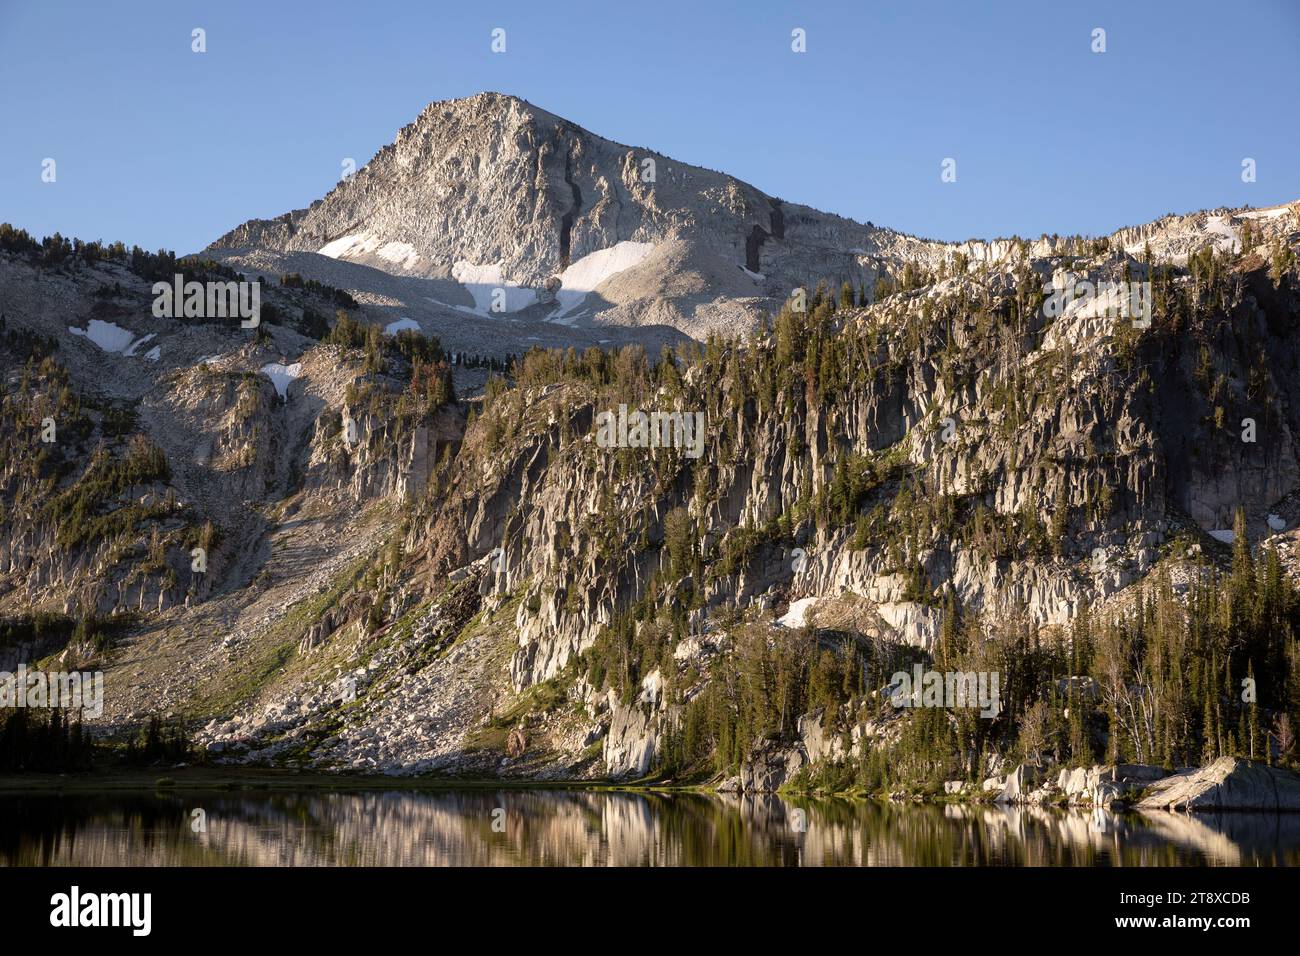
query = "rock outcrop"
{"x": 1019, "y": 784}
{"x": 629, "y": 747}
{"x": 770, "y": 765}
{"x": 1107, "y": 786}
{"x": 1229, "y": 783}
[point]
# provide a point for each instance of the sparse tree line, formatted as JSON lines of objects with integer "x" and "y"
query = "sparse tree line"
{"x": 1176, "y": 680}
{"x": 1163, "y": 684}
{"x": 87, "y": 482}
{"x": 1166, "y": 679}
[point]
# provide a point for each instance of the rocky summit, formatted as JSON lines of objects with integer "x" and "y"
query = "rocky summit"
{"x": 491, "y": 222}
{"x": 548, "y": 457}
{"x": 511, "y": 212}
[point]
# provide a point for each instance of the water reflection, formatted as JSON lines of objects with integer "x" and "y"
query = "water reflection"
{"x": 512, "y": 827}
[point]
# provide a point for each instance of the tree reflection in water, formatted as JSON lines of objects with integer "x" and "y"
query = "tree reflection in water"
{"x": 581, "y": 828}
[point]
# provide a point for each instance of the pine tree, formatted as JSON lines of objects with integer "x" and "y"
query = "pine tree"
{"x": 846, "y": 296}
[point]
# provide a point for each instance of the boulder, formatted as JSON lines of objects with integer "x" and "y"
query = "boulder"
{"x": 1109, "y": 794}
{"x": 1019, "y": 783}
{"x": 1230, "y": 783}
{"x": 1106, "y": 785}
{"x": 516, "y": 744}
{"x": 1044, "y": 794}
{"x": 1072, "y": 781}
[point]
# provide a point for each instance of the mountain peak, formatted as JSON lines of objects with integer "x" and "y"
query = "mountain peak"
{"x": 519, "y": 210}
{"x": 492, "y": 191}
{"x": 488, "y": 102}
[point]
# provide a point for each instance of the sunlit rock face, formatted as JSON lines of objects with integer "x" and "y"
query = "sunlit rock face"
{"x": 394, "y": 585}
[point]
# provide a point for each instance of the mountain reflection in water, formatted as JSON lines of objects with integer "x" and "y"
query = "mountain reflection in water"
{"x": 580, "y": 828}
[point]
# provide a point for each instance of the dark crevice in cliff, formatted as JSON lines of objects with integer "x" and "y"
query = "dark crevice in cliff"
{"x": 566, "y": 223}
{"x": 776, "y": 219}
{"x": 758, "y": 235}
{"x": 753, "y": 243}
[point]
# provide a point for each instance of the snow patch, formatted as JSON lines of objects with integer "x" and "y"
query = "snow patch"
{"x": 1274, "y": 213}
{"x": 130, "y": 352}
{"x": 797, "y": 615}
{"x": 1225, "y": 237}
{"x": 1277, "y": 522}
{"x": 154, "y": 354}
{"x": 583, "y": 276}
{"x": 401, "y": 254}
{"x": 1226, "y": 535}
{"x": 339, "y": 247}
{"x": 482, "y": 281}
{"x": 282, "y": 375}
{"x": 109, "y": 337}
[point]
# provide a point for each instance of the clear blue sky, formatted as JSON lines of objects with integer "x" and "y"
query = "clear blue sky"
{"x": 163, "y": 147}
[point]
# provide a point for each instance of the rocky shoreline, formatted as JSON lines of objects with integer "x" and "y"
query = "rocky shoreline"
{"x": 1227, "y": 784}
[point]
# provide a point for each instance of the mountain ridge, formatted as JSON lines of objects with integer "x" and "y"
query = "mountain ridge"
{"x": 512, "y": 212}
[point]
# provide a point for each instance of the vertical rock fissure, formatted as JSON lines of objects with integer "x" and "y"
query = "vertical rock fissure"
{"x": 566, "y": 223}
{"x": 776, "y": 219}
{"x": 753, "y": 243}
{"x": 758, "y": 235}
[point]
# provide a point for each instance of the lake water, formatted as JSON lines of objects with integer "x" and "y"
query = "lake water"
{"x": 579, "y": 828}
